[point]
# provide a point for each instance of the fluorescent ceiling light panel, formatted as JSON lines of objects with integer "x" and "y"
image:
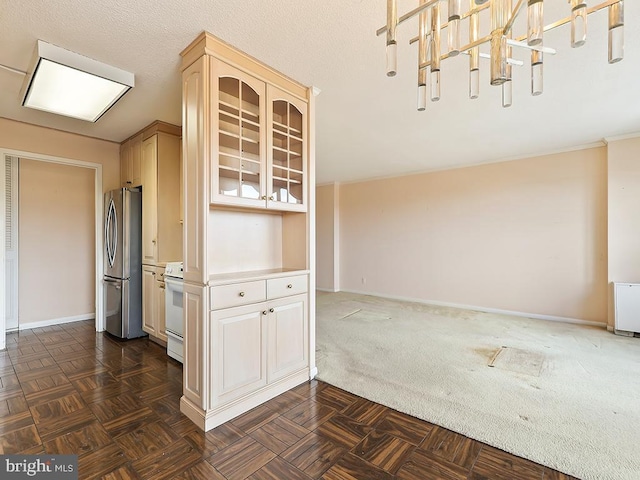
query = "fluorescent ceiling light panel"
{"x": 72, "y": 85}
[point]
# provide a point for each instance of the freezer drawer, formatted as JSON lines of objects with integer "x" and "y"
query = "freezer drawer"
{"x": 123, "y": 309}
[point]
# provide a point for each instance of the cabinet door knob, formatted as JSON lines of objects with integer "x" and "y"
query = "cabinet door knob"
{"x": 271, "y": 198}
{"x": 271, "y": 310}
{"x": 241, "y": 294}
{"x": 264, "y": 197}
{"x": 264, "y": 312}
{"x": 289, "y": 286}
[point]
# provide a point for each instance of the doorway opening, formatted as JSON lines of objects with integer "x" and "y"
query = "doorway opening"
{"x": 43, "y": 240}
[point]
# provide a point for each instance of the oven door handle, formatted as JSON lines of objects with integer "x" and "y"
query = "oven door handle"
{"x": 175, "y": 284}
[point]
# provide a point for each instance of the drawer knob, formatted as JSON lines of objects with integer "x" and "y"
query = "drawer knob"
{"x": 242, "y": 294}
{"x": 264, "y": 312}
{"x": 289, "y": 286}
{"x": 271, "y": 310}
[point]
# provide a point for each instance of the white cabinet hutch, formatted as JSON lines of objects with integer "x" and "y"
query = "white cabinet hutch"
{"x": 249, "y": 232}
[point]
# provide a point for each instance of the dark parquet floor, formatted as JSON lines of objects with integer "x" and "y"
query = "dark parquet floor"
{"x": 66, "y": 389}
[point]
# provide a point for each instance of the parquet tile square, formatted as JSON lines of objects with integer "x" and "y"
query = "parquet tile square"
{"x": 310, "y": 414}
{"x": 13, "y": 405}
{"x": 423, "y": 465}
{"x": 19, "y": 440}
{"x": 314, "y": 454}
{"x": 336, "y": 398}
{"x": 343, "y": 430}
{"x": 442, "y": 443}
{"x": 15, "y": 422}
{"x": 241, "y": 459}
{"x": 254, "y": 418}
{"x": 279, "y": 434}
{"x": 146, "y": 439}
{"x": 114, "y": 407}
{"x": 125, "y": 472}
{"x": 496, "y": 464}
{"x": 384, "y": 451}
{"x": 130, "y": 421}
{"x": 80, "y": 442}
{"x": 104, "y": 393}
{"x": 62, "y": 425}
{"x": 91, "y": 382}
{"x": 278, "y": 469}
{"x": 284, "y": 402}
{"x": 405, "y": 427}
{"x": 55, "y": 409}
{"x": 224, "y": 435}
{"x": 167, "y": 462}
{"x": 66, "y": 389}
{"x": 365, "y": 411}
{"x": 81, "y": 367}
{"x": 201, "y": 471}
{"x": 100, "y": 462}
{"x": 351, "y": 467}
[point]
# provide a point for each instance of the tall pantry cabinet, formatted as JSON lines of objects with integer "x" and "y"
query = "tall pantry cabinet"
{"x": 249, "y": 232}
{"x": 151, "y": 159}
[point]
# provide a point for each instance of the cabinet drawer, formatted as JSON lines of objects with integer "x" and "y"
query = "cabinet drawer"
{"x": 236, "y": 294}
{"x": 283, "y": 287}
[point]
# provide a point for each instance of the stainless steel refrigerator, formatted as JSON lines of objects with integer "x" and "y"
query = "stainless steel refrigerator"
{"x": 123, "y": 262}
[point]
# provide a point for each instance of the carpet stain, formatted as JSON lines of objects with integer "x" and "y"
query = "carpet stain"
{"x": 486, "y": 352}
{"x": 519, "y": 361}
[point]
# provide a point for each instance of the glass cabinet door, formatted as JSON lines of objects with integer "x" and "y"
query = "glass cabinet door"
{"x": 287, "y": 159}
{"x": 237, "y": 177}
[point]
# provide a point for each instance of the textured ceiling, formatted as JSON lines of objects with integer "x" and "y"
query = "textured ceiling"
{"x": 367, "y": 124}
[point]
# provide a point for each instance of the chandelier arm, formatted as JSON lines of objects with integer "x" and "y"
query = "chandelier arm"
{"x": 510, "y": 61}
{"x": 464, "y": 49}
{"x": 537, "y": 48}
{"x": 468, "y": 13}
{"x": 409, "y": 15}
{"x": 566, "y": 20}
{"x": 512, "y": 18}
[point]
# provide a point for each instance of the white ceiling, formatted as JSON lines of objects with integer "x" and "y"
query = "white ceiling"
{"x": 367, "y": 124}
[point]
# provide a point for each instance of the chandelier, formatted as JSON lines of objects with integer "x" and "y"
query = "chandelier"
{"x": 500, "y": 39}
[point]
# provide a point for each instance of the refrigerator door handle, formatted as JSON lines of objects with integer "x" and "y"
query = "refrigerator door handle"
{"x": 111, "y": 233}
{"x": 116, "y": 283}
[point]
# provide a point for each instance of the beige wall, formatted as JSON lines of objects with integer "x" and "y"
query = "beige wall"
{"x": 56, "y": 244}
{"x": 326, "y": 231}
{"x": 624, "y": 216}
{"x": 45, "y": 141}
{"x": 527, "y": 236}
{"x": 39, "y": 269}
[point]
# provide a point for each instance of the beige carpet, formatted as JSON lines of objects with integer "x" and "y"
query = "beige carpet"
{"x": 563, "y": 395}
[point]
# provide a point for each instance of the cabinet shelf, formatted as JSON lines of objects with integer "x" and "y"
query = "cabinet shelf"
{"x": 281, "y": 127}
{"x": 235, "y": 116}
{"x": 240, "y": 137}
{"x": 226, "y": 99}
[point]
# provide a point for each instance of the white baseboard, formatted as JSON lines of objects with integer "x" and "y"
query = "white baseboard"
{"x": 328, "y": 290}
{"x": 313, "y": 373}
{"x": 56, "y": 321}
{"x": 536, "y": 316}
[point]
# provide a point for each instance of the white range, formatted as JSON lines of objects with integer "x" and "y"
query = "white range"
{"x": 173, "y": 310}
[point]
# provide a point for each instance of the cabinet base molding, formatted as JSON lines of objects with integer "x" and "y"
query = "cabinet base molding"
{"x": 206, "y": 420}
{"x": 157, "y": 340}
{"x": 313, "y": 373}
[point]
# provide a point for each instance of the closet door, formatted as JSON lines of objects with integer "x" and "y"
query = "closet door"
{"x": 11, "y": 242}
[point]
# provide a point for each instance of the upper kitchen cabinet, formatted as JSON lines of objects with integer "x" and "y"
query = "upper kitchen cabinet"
{"x": 258, "y": 142}
{"x": 161, "y": 219}
{"x": 130, "y": 161}
{"x": 287, "y": 157}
